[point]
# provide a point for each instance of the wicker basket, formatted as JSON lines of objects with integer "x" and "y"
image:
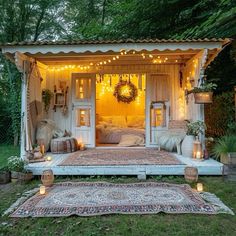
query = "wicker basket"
{"x": 25, "y": 177}
{"x": 47, "y": 178}
{"x": 21, "y": 177}
{"x": 203, "y": 97}
{"x": 191, "y": 174}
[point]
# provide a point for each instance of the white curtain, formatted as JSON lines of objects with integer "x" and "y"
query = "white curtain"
{"x": 160, "y": 88}
{"x": 34, "y": 104}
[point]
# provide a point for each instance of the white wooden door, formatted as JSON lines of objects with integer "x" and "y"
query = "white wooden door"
{"x": 83, "y": 108}
{"x": 157, "y": 114}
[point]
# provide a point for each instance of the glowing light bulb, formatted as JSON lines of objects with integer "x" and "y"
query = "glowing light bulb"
{"x": 117, "y": 57}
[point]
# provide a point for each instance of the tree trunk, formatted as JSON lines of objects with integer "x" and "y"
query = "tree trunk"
{"x": 103, "y": 11}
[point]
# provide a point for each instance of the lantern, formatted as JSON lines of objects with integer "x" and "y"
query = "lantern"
{"x": 197, "y": 150}
{"x": 42, "y": 189}
{"x": 48, "y": 158}
{"x": 82, "y": 147}
{"x": 199, "y": 187}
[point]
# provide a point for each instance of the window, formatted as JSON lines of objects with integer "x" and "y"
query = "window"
{"x": 83, "y": 88}
{"x": 83, "y": 117}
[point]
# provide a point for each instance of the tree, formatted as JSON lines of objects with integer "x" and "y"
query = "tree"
{"x": 23, "y": 20}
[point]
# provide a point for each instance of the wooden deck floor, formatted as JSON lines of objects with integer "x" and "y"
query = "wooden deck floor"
{"x": 206, "y": 167}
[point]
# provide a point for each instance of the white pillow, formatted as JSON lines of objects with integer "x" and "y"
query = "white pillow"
{"x": 129, "y": 140}
{"x": 136, "y": 121}
{"x": 107, "y": 119}
{"x": 119, "y": 121}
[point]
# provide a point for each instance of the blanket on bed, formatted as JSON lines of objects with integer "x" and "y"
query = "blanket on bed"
{"x": 113, "y": 134}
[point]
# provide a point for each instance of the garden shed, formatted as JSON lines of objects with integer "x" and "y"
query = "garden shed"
{"x": 110, "y": 95}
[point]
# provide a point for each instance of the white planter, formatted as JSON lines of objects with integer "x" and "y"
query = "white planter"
{"x": 187, "y": 146}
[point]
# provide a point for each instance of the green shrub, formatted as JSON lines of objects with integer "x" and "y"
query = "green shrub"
{"x": 219, "y": 114}
{"x": 224, "y": 145}
{"x": 15, "y": 163}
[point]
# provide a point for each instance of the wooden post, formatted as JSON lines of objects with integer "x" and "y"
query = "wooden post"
{"x": 23, "y": 112}
{"x": 201, "y": 111}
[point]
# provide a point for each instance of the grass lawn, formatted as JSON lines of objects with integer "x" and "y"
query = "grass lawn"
{"x": 7, "y": 151}
{"x": 158, "y": 224}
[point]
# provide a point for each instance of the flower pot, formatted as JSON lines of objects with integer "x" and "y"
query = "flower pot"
{"x": 4, "y": 177}
{"x": 25, "y": 177}
{"x": 203, "y": 97}
{"x": 228, "y": 159}
{"x": 14, "y": 176}
{"x": 21, "y": 177}
{"x": 191, "y": 174}
{"x": 187, "y": 146}
{"x": 47, "y": 178}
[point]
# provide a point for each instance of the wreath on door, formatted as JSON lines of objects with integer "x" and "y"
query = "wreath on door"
{"x": 125, "y": 91}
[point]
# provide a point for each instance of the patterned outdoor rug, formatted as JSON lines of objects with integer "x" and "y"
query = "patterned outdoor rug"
{"x": 86, "y": 199}
{"x": 94, "y": 157}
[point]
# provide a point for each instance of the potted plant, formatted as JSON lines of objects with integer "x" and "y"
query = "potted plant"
{"x": 47, "y": 95}
{"x": 4, "y": 175}
{"x": 193, "y": 130}
{"x": 225, "y": 149}
{"x": 204, "y": 93}
{"x": 18, "y": 173}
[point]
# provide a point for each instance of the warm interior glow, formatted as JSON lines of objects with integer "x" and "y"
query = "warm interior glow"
{"x": 106, "y": 103}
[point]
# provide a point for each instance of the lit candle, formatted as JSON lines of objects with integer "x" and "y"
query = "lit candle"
{"x": 48, "y": 158}
{"x": 199, "y": 187}
{"x": 198, "y": 155}
{"x": 82, "y": 147}
{"x": 42, "y": 189}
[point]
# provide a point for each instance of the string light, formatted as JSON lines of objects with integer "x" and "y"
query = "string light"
{"x": 114, "y": 58}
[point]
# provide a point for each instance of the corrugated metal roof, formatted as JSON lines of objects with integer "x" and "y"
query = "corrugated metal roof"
{"x": 80, "y": 42}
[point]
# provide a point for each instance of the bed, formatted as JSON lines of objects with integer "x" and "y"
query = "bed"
{"x": 110, "y": 130}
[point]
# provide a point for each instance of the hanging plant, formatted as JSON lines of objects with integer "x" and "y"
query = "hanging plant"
{"x": 204, "y": 93}
{"x": 125, "y": 92}
{"x": 46, "y": 97}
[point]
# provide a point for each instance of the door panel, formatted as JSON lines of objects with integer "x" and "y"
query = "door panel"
{"x": 83, "y": 100}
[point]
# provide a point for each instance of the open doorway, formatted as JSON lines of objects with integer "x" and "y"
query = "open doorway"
{"x": 120, "y": 110}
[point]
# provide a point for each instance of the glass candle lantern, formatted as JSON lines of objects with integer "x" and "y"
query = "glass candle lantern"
{"x": 199, "y": 187}
{"x": 48, "y": 158}
{"x": 42, "y": 189}
{"x": 82, "y": 147}
{"x": 197, "y": 150}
